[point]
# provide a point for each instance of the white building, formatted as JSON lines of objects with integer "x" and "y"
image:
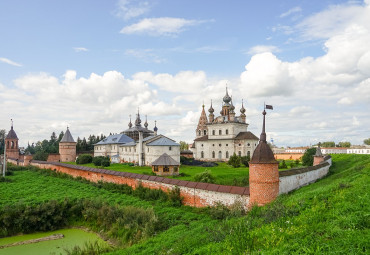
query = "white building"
{"x": 334, "y": 150}
{"x": 358, "y": 150}
{"x": 219, "y": 138}
{"x": 137, "y": 145}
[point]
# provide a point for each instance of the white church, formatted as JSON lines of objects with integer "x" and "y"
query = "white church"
{"x": 218, "y": 138}
{"x": 138, "y": 145}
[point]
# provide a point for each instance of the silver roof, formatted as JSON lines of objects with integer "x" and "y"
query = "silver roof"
{"x": 165, "y": 160}
{"x": 116, "y": 139}
{"x": 67, "y": 138}
{"x": 163, "y": 141}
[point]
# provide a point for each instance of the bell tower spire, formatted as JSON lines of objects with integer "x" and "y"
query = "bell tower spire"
{"x": 202, "y": 127}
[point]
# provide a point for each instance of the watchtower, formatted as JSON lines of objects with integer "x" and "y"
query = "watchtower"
{"x": 11, "y": 141}
{"x": 67, "y": 147}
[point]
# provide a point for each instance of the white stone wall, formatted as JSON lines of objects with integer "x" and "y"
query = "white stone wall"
{"x": 292, "y": 182}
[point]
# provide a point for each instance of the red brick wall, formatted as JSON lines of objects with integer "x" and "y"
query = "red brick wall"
{"x": 287, "y": 156}
{"x": 263, "y": 183}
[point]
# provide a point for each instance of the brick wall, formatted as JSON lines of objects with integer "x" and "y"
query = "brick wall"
{"x": 288, "y": 156}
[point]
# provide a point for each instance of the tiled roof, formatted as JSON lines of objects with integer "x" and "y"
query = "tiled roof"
{"x": 163, "y": 141}
{"x": 11, "y": 134}
{"x": 67, "y": 138}
{"x": 246, "y": 135}
{"x": 116, "y": 139}
{"x": 165, "y": 160}
{"x": 202, "y": 138}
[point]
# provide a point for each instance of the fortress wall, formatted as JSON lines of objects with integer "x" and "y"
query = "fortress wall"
{"x": 295, "y": 178}
{"x": 194, "y": 193}
{"x": 288, "y": 156}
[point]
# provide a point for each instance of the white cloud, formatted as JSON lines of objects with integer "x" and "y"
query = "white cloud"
{"x": 263, "y": 48}
{"x": 80, "y": 49}
{"x": 128, "y": 9}
{"x": 10, "y": 62}
{"x": 164, "y": 26}
{"x": 291, "y": 11}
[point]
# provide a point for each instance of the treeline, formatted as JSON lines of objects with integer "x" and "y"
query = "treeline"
{"x": 42, "y": 149}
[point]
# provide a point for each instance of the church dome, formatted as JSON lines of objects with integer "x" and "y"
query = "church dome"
{"x": 211, "y": 110}
{"x": 227, "y": 98}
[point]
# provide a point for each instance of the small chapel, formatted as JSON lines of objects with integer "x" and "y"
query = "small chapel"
{"x": 218, "y": 138}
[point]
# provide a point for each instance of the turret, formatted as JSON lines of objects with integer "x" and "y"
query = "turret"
{"x": 242, "y": 115}
{"x": 318, "y": 157}
{"x": 67, "y": 147}
{"x": 11, "y": 141}
{"x": 211, "y": 116}
{"x": 263, "y": 172}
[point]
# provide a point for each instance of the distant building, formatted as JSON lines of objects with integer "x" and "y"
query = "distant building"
{"x": 138, "y": 145}
{"x": 334, "y": 150}
{"x": 67, "y": 148}
{"x": 218, "y": 138}
{"x": 357, "y": 149}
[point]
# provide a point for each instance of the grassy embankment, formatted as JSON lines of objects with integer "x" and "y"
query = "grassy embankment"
{"x": 330, "y": 216}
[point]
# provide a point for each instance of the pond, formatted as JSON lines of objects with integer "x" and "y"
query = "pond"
{"x": 72, "y": 237}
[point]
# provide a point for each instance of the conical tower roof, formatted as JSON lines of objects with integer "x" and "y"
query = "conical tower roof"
{"x": 263, "y": 153}
{"x": 202, "y": 120}
{"x": 12, "y": 134}
{"x": 67, "y": 138}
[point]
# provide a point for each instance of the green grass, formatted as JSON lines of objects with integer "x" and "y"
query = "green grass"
{"x": 330, "y": 216}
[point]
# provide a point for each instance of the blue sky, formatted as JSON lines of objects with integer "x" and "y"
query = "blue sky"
{"x": 90, "y": 64}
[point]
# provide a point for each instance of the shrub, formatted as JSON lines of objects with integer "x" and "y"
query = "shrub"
{"x": 105, "y": 162}
{"x": 307, "y": 158}
{"x": 84, "y": 159}
{"x": 205, "y": 176}
{"x": 234, "y": 161}
{"x": 42, "y": 156}
{"x": 97, "y": 161}
{"x": 175, "y": 197}
{"x": 245, "y": 160}
{"x": 283, "y": 165}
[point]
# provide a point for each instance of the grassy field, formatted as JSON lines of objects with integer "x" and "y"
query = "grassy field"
{"x": 330, "y": 216}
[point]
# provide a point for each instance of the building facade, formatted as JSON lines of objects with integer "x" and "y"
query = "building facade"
{"x": 218, "y": 138}
{"x": 138, "y": 145}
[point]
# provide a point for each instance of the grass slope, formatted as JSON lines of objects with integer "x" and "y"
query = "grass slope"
{"x": 330, "y": 216}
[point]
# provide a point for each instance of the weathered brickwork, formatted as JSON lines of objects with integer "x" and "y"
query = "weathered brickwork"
{"x": 263, "y": 183}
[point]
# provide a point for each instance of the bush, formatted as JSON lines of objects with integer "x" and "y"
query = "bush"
{"x": 174, "y": 196}
{"x": 205, "y": 176}
{"x": 97, "y": 161}
{"x": 245, "y": 160}
{"x": 84, "y": 159}
{"x": 42, "y": 156}
{"x": 234, "y": 161}
{"x": 283, "y": 165}
{"x": 105, "y": 162}
{"x": 307, "y": 158}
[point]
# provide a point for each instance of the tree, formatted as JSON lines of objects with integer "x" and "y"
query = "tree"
{"x": 183, "y": 146}
{"x": 2, "y": 137}
{"x": 344, "y": 144}
{"x": 234, "y": 161}
{"x": 307, "y": 158}
{"x": 367, "y": 141}
{"x": 245, "y": 160}
{"x": 328, "y": 144}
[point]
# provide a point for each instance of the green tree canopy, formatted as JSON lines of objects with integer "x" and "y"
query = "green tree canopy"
{"x": 183, "y": 146}
{"x": 344, "y": 144}
{"x": 328, "y": 144}
{"x": 367, "y": 141}
{"x": 307, "y": 158}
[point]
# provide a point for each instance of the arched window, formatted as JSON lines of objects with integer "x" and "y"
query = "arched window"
{"x": 205, "y": 132}
{"x": 12, "y": 144}
{"x": 213, "y": 132}
{"x": 227, "y": 154}
{"x": 202, "y": 154}
{"x": 227, "y": 131}
{"x": 220, "y": 132}
{"x": 199, "y": 132}
{"x": 240, "y": 153}
{"x": 248, "y": 153}
{"x": 219, "y": 155}
{"x": 213, "y": 154}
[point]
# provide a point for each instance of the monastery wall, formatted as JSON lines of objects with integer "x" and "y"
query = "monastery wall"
{"x": 194, "y": 193}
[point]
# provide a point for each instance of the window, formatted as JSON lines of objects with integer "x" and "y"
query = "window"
{"x": 249, "y": 144}
{"x": 166, "y": 169}
{"x": 169, "y": 148}
{"x": 213, "y": 154}
{"x": 219, "y": 145}
{"x": 205, "y": 132}
{"x": 240, "y": 144}
{"x": 227, "y": 154}
{"x": 202, "y": 154}
{"x": 248, "y": 153}
{"x": 213, "y": 145}
{"x": 202, "y": 145}
{"x": 213, "y": 132}
{"x": 227, "y": 144}
{"x": 220, "y": 132}
{"x": 227, "y": 131}
{"x": 175, "y": 169}
{"x": 200, "y": 133}
{"x": 240, "y": 153}
{"x": 155, "y": 168}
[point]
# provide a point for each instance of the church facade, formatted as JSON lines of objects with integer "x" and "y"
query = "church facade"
{"x": 218, "y": 138}
{"x": 138, "y": 145}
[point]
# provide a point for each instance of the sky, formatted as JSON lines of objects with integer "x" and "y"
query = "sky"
{"x": 89, "y": 65}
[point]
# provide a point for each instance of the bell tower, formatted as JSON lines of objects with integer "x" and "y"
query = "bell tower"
{"x": 11, "y": 142}
{"x": 202, "y": 127}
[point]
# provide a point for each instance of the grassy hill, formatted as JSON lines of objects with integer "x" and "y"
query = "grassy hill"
{"x": 331, "y": 216}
